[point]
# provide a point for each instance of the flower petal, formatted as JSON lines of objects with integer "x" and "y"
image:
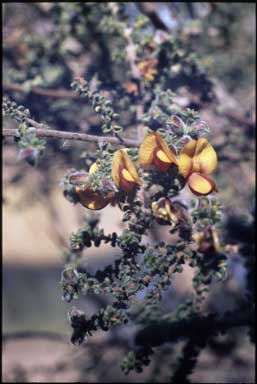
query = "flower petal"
{"x": 206, "y": 157}
{"x": 200, "y": 184}
{"x": 130, "y": 167}
{"x": 127, "y": 176}
{"x": 161, "y": 160}
{"x": 162, "y": 156}
{"x": 189, "y": 148}
{"x": 146, "y": 150}
{"x": 92, "y": 199}
{"x": 164, "y": 146}
{"x": 200, "y": 145}
{"x": 185, "y": 164}
{"x": 93, "y": 168}
{"x": 152, "y": 143}
{"x": 117, "y": 162}
{"x": 123, "y": 170}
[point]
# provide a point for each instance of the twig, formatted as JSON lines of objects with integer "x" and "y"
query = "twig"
{"x": 55, "y": 93}
{"x": 131, "y": 52}
{"x": 150, "y": 11}
{"x": 44, "y": 132}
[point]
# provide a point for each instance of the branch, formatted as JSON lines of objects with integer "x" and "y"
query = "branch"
{"x": 55, "y": 93}
{"x": 131, "y": 52}
{"x": 162, "y": 332}
{"x": 151, "y": 11}
{"x": 44, "y": 132}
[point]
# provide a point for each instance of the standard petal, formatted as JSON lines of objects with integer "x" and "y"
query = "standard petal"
{"x": 146, "y": 150}
{"x": 200, "y": 145}
{"x": 200, "y": 184}
{"x": 117, "y": 162}
{"x": 189, "y": 148}
{"x": 164, "y": 146}
{"x": 130, "y": 167}
{"x": 124, "y": 172}
{"x": 207, "y": 159}
{"x": 185, "y": 164}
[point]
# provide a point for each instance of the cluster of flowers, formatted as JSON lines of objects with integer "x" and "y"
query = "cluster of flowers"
{"x": 196, "y": 160}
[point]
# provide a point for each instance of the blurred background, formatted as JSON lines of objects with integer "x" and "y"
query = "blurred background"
{"x": 41, "y": 49}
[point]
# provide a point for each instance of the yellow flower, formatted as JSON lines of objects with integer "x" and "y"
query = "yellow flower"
{"x": 148, "y": 68}
{"x": 168, "y": 212}
{"x": 154, "y": 151}
{"x": 207, "y": 241}
{"x": 124, "y": 172}
{"x": 198, "y": 159}
{"x": 89, "y": 198}
{"x": 163, "y": 211}
{"x": 93, "y": 168}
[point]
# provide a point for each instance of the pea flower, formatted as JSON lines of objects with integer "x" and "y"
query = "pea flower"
{"x": 124, "y": 172}
{"x": 155, "y": 152}
{"x": 168, "y": 212}
{"x": 198, "y": 159}
{"x": 89, "y": 198}
{"x": 148, "y": 68}
{"x": 208, "y": 240}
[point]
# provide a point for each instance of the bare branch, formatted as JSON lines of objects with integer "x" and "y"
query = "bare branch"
{"x": 55, "y": 93}
{"x": 131, "y": 52}
{"x": 44, "y": 132}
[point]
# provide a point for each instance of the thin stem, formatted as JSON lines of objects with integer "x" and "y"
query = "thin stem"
{"x": 44, "y": 132}
{"x": 55, "y": 93}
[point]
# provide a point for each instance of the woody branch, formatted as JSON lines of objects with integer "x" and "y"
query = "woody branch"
{"x": 76, "y": 136}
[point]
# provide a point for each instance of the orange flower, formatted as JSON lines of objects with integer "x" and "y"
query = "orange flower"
{"x": 148, "y": 68}
{"x": 89, "y": 198}
{"x": 154, "y": 151}
{"x": 196, "y": 160}
{"x": 124, "y": 172}
{"x": 131, "y": 88}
